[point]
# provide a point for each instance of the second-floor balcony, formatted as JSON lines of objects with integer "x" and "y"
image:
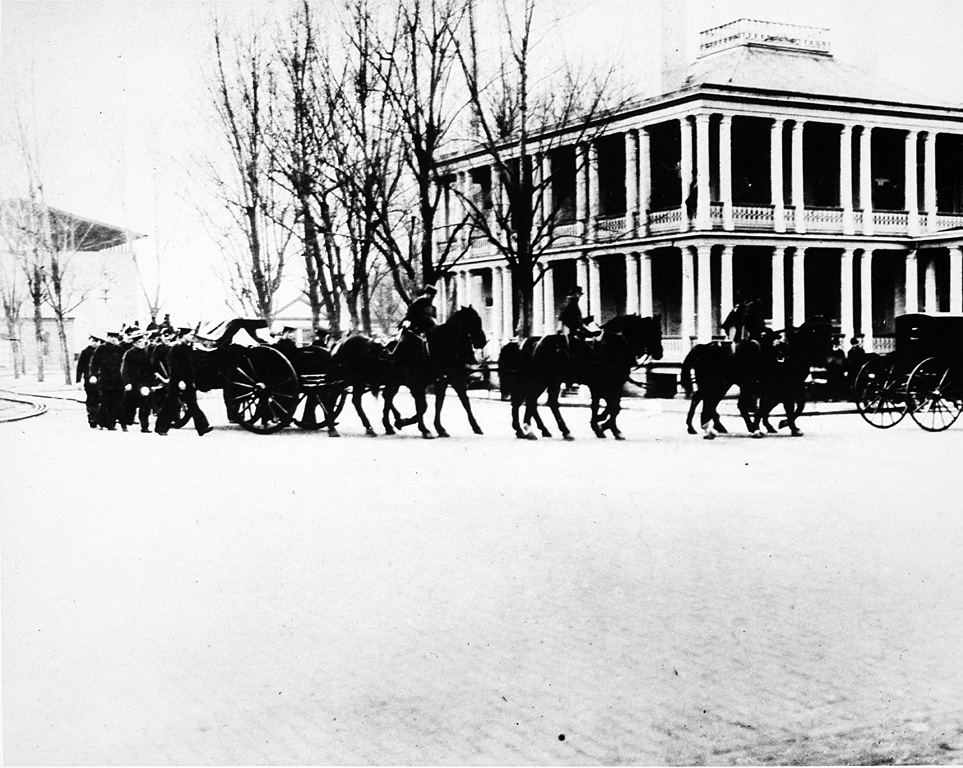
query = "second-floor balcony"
{"x": 740, "y": 219}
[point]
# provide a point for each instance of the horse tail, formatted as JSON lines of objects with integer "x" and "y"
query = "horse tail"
{"x": 688, "y": 366}
{"x": 508, "y": 362}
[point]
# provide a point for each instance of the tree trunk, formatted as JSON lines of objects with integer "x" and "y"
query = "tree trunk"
{"x": 38, "y": 332}
{"x": 524, "y": 289}
{"x": 64, "y": 352}
{"x": 311, "y": 249}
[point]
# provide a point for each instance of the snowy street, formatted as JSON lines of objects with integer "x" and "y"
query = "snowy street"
{"x": 297, "y": 599}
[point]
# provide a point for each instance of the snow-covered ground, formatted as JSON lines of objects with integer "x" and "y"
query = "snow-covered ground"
{"x": 296, "y": 599}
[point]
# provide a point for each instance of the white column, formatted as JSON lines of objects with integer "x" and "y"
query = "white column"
{"x": 725, "y": 171}
{"x": 442, "y": 298}
{"x": 508, "y": 300}
{"x": 548, "y": 291}
{"x": 799, "y": 287}
{"x": 497, "y": 313}
{"x": 847, "y": 320}
{"x": 631, "y": 283}
{"x": 594, "y": 193}
{"x": 461, "y": 288}
{"x": 704, "y": 293}
{"x": 911, "y": 283}
{"x": 548, "y": 199}
{"x": 685, "y": 168}
{"x": 846, "y": 177}
{"x": 594, "y": 289}
{"x": 866, "y": 180}
{"x": 798, "y": 187}
{"x": 930, "y": 304}
{"x": 956, "y": 279}
{"x": 538, "y": 214}
{"x": 703, "y": 196}
{"x": 538, "y": 305}
{"x": 777, "y": 193}
{"x": 645, "y": 181}
{"x": 632, "y": 180}
{"x": 929, "y": 179}
{"x": 726, "y": 294}
{"x": 646, "y": 305}
{"x": 581, "y": 274}
{"x": 911, "y": 183}
{"x": 866, "y": 298}
{"x": 688, "y": 297}
{"x": 581, "y": 193}
{"x": 779, "y": 287}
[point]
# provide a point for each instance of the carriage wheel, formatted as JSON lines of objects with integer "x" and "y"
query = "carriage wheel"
{"x": 880, "y": 394}
{"x": 261, "y": 390}
{"x": 318, "y": 408}
{"x": 183, "y": 416}
{"x": 935, "y": 395}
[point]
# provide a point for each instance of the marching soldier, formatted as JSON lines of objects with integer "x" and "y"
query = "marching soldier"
{"x": 181, "y": 387}
{"x": 85, "y": 374}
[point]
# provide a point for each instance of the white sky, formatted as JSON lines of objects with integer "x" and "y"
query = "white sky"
{"x": 118, "y": 87}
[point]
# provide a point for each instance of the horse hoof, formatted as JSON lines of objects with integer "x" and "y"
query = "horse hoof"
{"x": 619, "y": 436}
{"x": 370, "y": 433}
{"x": 797, "y": 433}
{"x": 567, "y": 437}
{"x": 389, "y": 431}
{"x": 333, "y": 433}
{"x": 692, "y": 431}
{"x": 528, "y": 436}
{"x": 442, "y": 433}
{"x": 708, "y": 436}
{"x": 427, "y": 436}
{"x": 477, "y": 430}
{"x": 757, "y": 435}
{"x": 783, "y": 424}
{"x": 600, "y": 435}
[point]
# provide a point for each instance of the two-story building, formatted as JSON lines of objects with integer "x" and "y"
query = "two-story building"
{"x": 773, "y": 171}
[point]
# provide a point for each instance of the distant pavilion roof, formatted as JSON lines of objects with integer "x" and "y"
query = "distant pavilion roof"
{"x": 87, "y": 234}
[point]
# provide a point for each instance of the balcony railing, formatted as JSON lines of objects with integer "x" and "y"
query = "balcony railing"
{"x": 890, "y": 222}
{"x": 752, "y": 216}
{"x": 824, "y": 219}
{"x": 610, "y": 226}
{"x": 665, "y": 221}
{"x": 948, "y": 221}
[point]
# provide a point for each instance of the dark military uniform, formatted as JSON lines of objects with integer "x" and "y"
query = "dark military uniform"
{"x": 421, "y": 314}
{"x": 138, "y": 377}
{"x": 181, "y": 373}
{"x": 105, "y": 368}
{"x": 91, "y": 390}
{"x": 570, "y": 317}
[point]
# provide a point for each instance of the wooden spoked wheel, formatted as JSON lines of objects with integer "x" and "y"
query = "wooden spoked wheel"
{"x": 880, "y": 394}
{"x": 261, "y": 390}
{"x": 934, "y": 394}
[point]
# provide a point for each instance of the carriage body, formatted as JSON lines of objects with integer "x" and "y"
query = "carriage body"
{"x": 922, "y": 377}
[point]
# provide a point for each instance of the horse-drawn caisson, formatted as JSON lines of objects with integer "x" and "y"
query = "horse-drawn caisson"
{"x": 922, "y": 377}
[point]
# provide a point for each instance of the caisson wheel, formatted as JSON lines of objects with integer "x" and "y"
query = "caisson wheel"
{"x": 261, "y": 390}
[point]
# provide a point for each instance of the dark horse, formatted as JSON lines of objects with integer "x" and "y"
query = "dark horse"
{"x": 604, "y": 364}
{"x": 364, "y": 364}
{"x": 768, "y": 371}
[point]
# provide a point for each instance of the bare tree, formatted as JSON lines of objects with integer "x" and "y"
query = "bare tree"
{"x": 416, "y": 65}
{"x": 242, "y": 90}
{"x": 513, "y": 119}
{"x": 299, "y": 147}
{"x": 12, "y": 289}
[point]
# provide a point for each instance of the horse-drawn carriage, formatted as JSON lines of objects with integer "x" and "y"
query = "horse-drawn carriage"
{"x": 267, "y": 386}
{"x": 922, "y": 377}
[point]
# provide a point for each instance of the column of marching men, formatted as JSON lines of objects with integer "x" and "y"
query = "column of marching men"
{"x": 124, "y": 381}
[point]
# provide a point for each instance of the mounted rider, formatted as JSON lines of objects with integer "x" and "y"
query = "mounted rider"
{"x": 745, "y": 322}
{"x": 420, "y": 318}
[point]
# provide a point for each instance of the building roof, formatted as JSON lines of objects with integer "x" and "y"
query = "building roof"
{"x": 750, "y": 55}
{"x": 85, "y": 234}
